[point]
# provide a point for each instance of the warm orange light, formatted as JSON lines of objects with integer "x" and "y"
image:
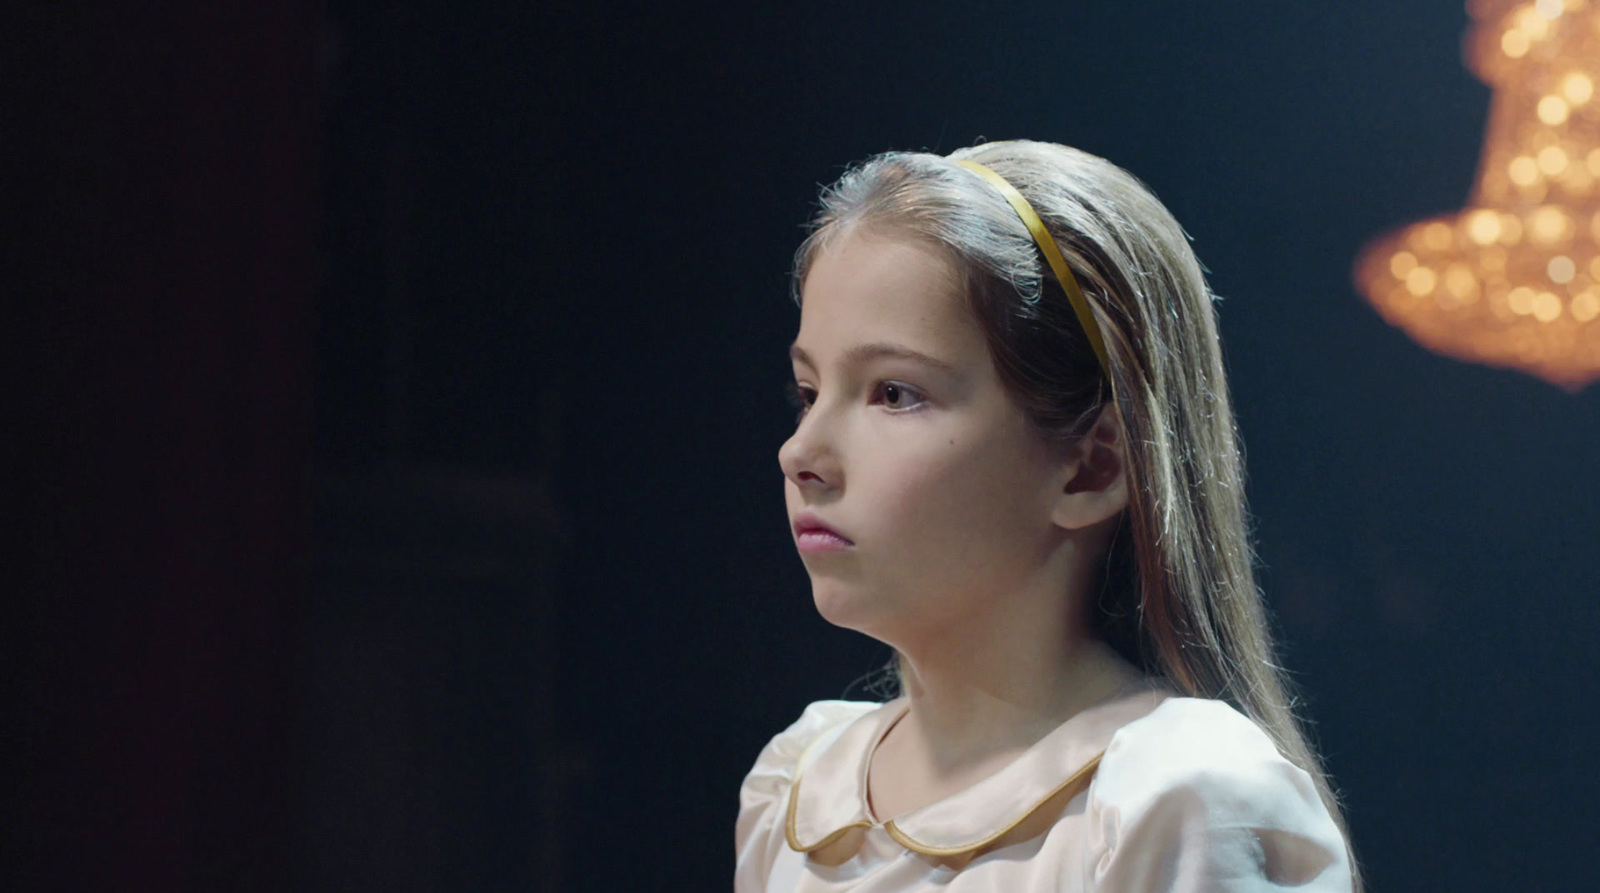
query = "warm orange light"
{"x": 1578, "y": 88}
{"x": 1586, "y": 306}
{"x": 1553, "y": 110}
{"x": 1514, "y": 280}
{"x": 1552, "y": 160}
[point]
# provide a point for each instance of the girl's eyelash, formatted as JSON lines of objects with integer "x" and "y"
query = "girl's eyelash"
{"x": 801, "y": 398}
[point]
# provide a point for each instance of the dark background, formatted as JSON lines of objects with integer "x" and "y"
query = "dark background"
{"x": 398, "y": 416}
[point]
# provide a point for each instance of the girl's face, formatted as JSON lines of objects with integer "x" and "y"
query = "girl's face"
{"x": 909, "y": 449}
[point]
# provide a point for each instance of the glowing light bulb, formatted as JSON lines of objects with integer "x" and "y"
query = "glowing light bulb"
{"x": 1561, "y": 269}
{"x": 1548, "y": 225}
{"x": 1460, "y": 283}
{"x": 1586, "y": 306}
{"x": 1524, "y": 171}
{"x": 1402, "y": 263}
{"x": 1553, "y": 110}
{"x": 1546, "y": 306}
{"x": 1421, "y": 281}
{"x": 1578, "y": 88}
{"x": 1536, "y": 26}
{"x": 1520, "y": 300}
{"x": 1483, "y": 227}
{"x": 1552, "y": 160}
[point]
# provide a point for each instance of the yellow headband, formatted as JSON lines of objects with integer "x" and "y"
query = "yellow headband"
{"x": 1052, "y": 255}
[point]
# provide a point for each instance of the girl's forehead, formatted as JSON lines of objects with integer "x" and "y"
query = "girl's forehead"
{"x": 868, "y": 287}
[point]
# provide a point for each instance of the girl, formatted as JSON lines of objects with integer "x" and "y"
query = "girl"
{"x": 1016, "y": 464}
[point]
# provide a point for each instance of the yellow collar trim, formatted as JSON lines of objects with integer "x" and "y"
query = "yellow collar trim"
{"x": 1010, "y": 806}
{"x": 794, "y": 839}
{"x": 1066, "y": 790}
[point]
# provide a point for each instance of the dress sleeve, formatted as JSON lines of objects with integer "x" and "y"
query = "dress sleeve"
{"x": 1196, "y": 799}
{"x": 764, "y": 796}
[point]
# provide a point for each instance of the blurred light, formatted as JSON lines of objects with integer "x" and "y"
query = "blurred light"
{"x": 1514, "y": 279}
{"x": 1553, "y": 110}
{"x": 1438, "y": 236}
{"x": 1521, "y": 300}
{"x": 1532, "y": 23}
{"x": 1552, "y": 160}
{"x": 1547, "y": 225}
{"x": 1578, "y": 88}
{"x": 1483, "y": 227}
{"x": 1524, "y": 171}
{"x": 1586, "y": 306}
{"x": 1460, "y": 283}
{"x": 1420, "y": 281}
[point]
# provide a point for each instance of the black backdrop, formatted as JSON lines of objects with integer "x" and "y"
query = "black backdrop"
{"x": 403, "y": 398}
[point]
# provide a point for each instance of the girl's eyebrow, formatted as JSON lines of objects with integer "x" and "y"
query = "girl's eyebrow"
{"x": 861, "y": 353}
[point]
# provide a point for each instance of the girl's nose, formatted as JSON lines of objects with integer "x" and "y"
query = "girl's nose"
{"x": 808, "y": 459}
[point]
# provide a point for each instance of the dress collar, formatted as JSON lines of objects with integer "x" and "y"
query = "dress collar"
{"x": 829, "y": 809}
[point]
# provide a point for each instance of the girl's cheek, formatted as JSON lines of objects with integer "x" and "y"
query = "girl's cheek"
{"x": 922, "y": 493}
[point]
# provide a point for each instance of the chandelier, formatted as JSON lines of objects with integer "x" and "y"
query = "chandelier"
{"x": 1514, "y": 279}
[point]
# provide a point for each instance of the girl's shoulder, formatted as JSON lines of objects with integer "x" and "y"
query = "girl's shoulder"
{"x": 1194, "y": 743}
{"x": 1196, "y": 790}
{"x": 1192, "y": 735}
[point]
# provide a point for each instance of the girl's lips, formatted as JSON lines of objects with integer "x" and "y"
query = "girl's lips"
{"x": 818, "y": 539}
{"x": 811, "y": 534}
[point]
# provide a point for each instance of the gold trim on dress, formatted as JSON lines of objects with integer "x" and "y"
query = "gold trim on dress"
{"x": 794, "y": 839}
{"x": 955, "y": 856}
{"x": 1076, "y": 782}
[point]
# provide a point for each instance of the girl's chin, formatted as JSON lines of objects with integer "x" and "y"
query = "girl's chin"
{"x": 851, "y": 608}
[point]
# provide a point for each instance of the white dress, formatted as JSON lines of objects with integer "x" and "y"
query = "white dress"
{"x": 1141, "y": 794}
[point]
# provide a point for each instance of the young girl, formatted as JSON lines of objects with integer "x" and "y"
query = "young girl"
{"x": 1016, "y": 464}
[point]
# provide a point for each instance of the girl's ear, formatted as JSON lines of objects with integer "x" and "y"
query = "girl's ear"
{"x": 1095, "y": 476}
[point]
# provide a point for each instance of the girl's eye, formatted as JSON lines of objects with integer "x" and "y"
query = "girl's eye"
{"x": 892, "y": 394}
{"x": 801, "y": 398}
{"x": 895, "y": 395}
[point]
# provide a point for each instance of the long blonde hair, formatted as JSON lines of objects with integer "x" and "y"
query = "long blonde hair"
{"x": 1180, "y": 597}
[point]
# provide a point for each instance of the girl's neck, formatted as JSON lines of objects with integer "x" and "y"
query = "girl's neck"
{"x": 970, "y": 709}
